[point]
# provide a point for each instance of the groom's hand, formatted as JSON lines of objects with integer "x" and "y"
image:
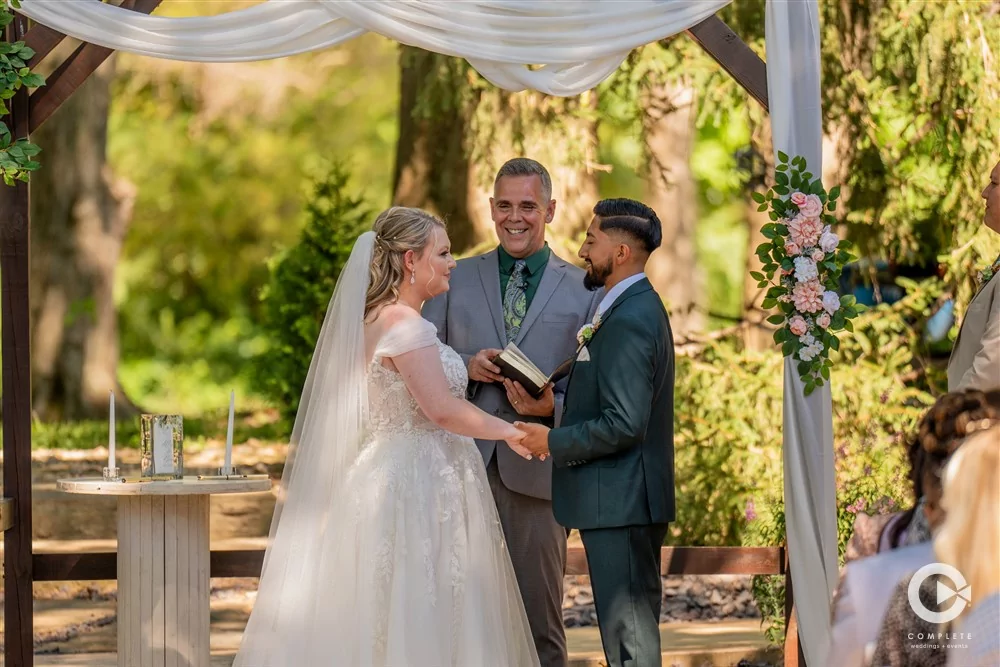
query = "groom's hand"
{"x": 536, "y": 439}
{"x": 528, "y": 406}
{"x": 482, "y": 368}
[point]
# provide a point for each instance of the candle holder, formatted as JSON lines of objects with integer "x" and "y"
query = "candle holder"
{"x": 112, "y": 474}
{"x": 162, "y": 446}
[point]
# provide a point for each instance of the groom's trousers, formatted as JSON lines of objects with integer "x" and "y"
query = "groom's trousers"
{"x": 537, "y": 548}
{"x": 624, "y": 566}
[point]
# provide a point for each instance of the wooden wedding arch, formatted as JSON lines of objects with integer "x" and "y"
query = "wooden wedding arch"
{"x": 21, "y": 565}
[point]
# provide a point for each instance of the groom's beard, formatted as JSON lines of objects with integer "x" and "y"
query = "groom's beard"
{"x": 596, "y": 276}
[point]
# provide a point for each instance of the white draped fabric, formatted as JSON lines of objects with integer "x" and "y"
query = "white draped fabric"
{"x": 577, "y": 43}
{"x": 793, "y": 83}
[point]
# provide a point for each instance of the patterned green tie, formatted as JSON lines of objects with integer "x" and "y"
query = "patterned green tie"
{"x": 515, "y": 302}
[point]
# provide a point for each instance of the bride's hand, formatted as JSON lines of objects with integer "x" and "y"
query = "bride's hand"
{"x": 514, "y": 439}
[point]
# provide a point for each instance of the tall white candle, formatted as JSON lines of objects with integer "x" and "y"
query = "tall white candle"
{"x": 111, "y": 432}
{"x": 229, "y": 434}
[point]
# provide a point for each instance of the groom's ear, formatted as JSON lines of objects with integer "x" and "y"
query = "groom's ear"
{"x": 550, "y": 211}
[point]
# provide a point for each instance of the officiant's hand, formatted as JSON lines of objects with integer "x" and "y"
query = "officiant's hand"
{"x": 482, "y": 368}
{"x": 536, "y": 439}
{"x": 528, "y": 406}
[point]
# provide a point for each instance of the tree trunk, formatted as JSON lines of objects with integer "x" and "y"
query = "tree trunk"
{"x": 757, "y": 332}
{"x": 80, "y": 214}
{"x": 432, "y": 169}
{"x": 673, "y": 193}
{"x": 455, "y": 132}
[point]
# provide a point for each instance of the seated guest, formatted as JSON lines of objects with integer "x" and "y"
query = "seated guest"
{"x": 969, "y": 541}
{"x": 867, "y": 584}
{"x": 968, "y": 538}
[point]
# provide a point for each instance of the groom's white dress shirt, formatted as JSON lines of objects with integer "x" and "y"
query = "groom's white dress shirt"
{"x": 616, "y": 291}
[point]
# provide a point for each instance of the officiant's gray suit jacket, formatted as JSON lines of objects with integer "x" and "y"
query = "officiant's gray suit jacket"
{"x": 469, "y": 318}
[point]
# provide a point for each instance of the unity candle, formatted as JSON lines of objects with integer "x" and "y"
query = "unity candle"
{"x": 111, "y": 472}
{"x": 111, "y": 433}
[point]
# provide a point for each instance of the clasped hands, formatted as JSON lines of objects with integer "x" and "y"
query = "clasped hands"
{"x": 527, "y": 440}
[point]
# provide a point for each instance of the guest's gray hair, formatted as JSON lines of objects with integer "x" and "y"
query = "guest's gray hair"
{"x": 523, "y": 166}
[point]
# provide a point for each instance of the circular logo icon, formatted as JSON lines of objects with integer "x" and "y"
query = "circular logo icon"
{"x": 943, "y": 593}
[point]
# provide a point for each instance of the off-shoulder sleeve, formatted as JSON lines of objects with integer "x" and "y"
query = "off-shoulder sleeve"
{"x": 405, "y": 336}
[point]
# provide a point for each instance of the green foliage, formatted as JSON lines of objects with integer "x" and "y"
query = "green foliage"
{"x": 197, "y": 430}
{"x": 302, "y": 282}
{"x": 875, "y": 404}
{"x": 16, "y": 155}
{"x": 910, "y": 92}
{"x": 222, "y": 155}
{"x": 727, "y": 435}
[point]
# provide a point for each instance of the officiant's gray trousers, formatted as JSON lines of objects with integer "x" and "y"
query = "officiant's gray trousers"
{"x": 537, "y": 546}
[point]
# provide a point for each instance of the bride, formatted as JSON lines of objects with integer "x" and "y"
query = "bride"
{"x": 385, "y": 547}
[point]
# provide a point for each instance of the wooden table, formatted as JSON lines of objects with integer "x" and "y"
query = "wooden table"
{"x": 163, "y": 565}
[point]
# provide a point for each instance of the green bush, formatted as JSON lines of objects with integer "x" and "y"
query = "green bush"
{"x": 301, "y": 285}
{"x": 881, "y": 386}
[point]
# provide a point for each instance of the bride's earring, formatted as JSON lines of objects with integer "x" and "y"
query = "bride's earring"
{"x": 413, "y": 277}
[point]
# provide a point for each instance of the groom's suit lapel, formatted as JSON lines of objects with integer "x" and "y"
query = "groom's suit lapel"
{"x": 489, "y": 273}
{"x": 642, "y": 286}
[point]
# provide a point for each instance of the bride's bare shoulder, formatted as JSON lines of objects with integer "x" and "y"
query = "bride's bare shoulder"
{"x": 391, "y": 315}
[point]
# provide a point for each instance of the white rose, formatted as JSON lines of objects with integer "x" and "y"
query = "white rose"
{"x": 805, "y": 269}
{"x": 831, "y": 301}
{"x": 828, "y": 241}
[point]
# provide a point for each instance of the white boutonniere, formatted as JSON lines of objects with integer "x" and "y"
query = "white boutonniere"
{"x": 587, "y": 331}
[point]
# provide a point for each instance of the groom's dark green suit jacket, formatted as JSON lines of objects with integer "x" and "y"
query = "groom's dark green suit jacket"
{"x": 614, "y": 450}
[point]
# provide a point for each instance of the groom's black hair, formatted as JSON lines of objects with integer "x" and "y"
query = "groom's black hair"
{"x": 633, "y": 218}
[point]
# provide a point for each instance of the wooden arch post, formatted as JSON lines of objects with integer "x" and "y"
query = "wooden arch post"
{"x": 22, "y": 567}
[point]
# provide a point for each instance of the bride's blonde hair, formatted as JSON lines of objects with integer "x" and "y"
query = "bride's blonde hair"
{"x": 397, "y": 230}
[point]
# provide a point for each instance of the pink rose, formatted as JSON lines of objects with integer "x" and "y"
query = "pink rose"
{"x": 812, "y": 207}
{"x": 823, "y": 321}
{"x": 818, "y": 255}
{"x": 808, "y": 296}
{"x": 792, "y": 248}
{"x": 798, "y": 198}
{"x": 805, "y": 232}
{"x": 798, "y": 325}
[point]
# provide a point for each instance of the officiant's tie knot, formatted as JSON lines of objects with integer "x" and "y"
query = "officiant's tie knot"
{"x": 515, "y": 300}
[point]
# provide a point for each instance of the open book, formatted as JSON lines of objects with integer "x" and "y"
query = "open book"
{"x": 516, "y": 366}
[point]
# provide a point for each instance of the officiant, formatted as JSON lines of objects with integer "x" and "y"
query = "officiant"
{"x": 521, "y": 293}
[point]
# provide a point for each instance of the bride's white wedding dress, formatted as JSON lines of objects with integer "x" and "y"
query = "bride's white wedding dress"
{"x": 413, "y": 568}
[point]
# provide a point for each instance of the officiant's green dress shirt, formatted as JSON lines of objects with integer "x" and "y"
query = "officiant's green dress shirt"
{"x": 534, "y": 266}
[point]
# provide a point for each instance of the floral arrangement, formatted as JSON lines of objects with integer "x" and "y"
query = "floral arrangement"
{"x": 807, "y": 257}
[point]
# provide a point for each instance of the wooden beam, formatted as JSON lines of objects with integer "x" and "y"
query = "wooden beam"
{"x": 71, "y": 74}
{"x": 248, "y": 563}
{"x": 15, "y": 357}
{"x": 42, "y": 39}
{"x": 736, "y": 57}
{"x": 702, "y": 560}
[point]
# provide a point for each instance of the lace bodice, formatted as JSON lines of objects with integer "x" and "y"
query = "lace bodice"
{"x": 392, "y": 408}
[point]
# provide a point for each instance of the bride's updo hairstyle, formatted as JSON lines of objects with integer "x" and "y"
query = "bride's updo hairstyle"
{"x": 397, "y": 230}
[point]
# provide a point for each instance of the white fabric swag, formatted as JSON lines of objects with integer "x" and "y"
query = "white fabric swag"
{"x": 577, "y": 43}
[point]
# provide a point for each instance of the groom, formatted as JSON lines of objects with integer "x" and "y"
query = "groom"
{"x": 613, "y": 452}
